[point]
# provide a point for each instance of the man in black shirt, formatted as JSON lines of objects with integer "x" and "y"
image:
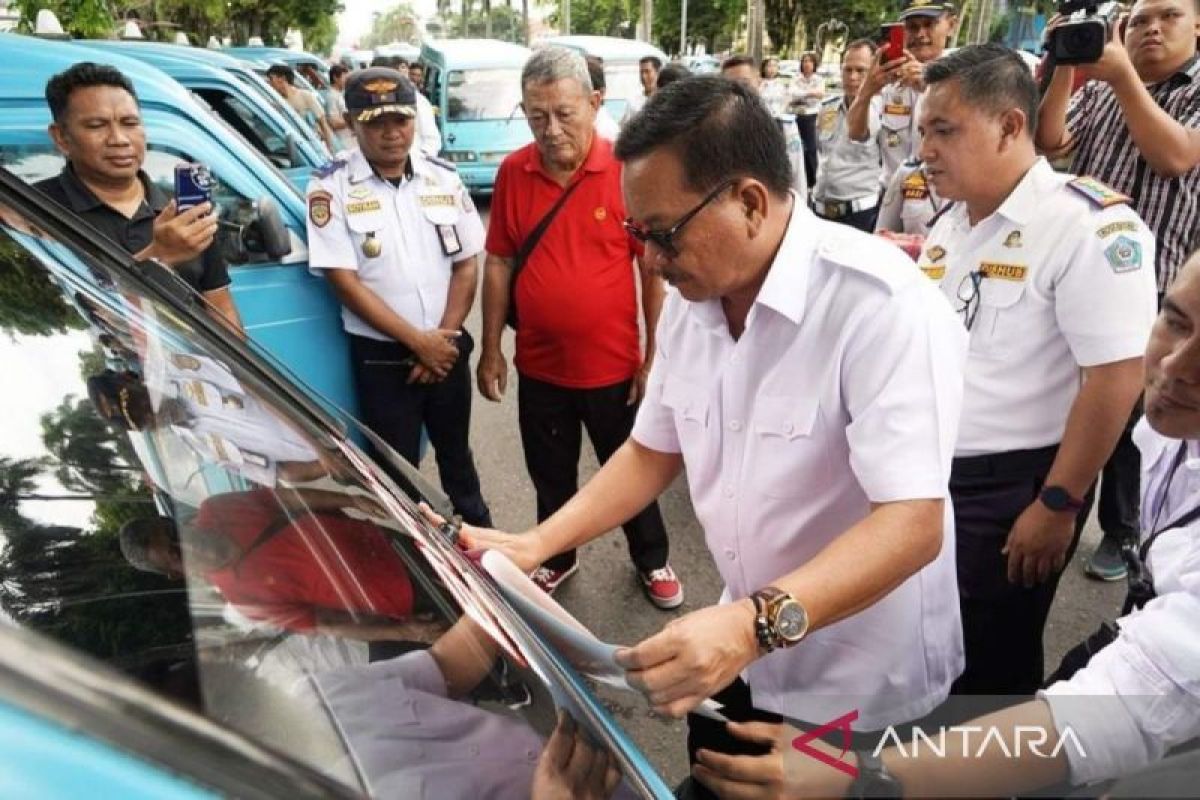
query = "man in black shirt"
{"x": 98, "y": 128}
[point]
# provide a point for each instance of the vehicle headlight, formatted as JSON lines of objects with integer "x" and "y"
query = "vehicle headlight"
{"x": 459, "y": 156}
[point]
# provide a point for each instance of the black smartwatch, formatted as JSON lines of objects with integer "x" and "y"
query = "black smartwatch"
{"x": 873, "y": 779}
{"x": 1056, "y": 498}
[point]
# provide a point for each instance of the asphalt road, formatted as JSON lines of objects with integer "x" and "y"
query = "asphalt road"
{"x": 606, "y": 596}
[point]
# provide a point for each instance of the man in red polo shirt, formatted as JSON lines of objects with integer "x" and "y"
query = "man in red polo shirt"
{"x": 578, "y": 352}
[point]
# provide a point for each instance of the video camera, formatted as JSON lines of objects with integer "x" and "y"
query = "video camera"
{"x": 1081, "y": 38}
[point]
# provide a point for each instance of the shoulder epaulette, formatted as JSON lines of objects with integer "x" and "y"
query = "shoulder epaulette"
{"x": 1098, "y": 193}
{"x": 330, "y": 168}
{"x": 443, "y": 163}
{"x": 834, "y": 99}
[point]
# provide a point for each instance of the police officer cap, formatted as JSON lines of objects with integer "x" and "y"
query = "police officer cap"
{"x": 375, "y": 91}
{"x": 925, "y": 8}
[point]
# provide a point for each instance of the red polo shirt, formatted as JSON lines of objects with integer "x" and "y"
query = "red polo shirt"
{"x": 576, "y": 299}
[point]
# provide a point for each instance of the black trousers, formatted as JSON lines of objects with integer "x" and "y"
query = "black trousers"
{"x": 397, "y": 411}
{"x": 1119, "y": 506}
{"x": 863, "y": 220}
{"x": 1003, "y": 622}
{"x": 807, "y": 125}
{"x": 551, "y": 419}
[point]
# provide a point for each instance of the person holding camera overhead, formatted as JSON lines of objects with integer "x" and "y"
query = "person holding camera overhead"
{"x": 1135, "y": 126}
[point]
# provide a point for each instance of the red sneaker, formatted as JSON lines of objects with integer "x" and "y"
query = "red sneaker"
{"x": 662, "y": 587}
{"x": 548, "y": 579}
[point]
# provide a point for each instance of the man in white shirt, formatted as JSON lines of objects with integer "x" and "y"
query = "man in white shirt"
{"x": 810, "y": 382}
{"x": 1134, "y": 700}
{"x": 1053, "y": 277}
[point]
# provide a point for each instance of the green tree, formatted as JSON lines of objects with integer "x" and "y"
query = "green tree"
{"x": 710, "y": 22}
{"x": 862, "y": 18}
{"x": 602, "y": 17}
{"x": 89, "y": 19}
{"x": 87, "y": 456}
{"x": 781, "y": 18}
{"x": 397, "y": 24}
{"x": 506, "y": 24}
{"x": 30, "y": 303}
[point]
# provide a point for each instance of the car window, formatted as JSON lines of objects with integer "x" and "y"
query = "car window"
{"x": 479, "y": 94}
{"x": 166, "y": 509}
{"x": 252, "y": 127}
{"x": 35, "y": 162}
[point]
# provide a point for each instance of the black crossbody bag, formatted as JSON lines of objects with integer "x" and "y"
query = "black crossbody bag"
{"x": 526, "y": 248}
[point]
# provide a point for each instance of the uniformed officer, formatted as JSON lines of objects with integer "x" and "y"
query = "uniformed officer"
{"x": 743, "y": 68}
{"x": 397, "y": 235}
{"x": 847, "y": 187}
{"x": 910, "y": 204}
{"x": 928, "y": 25}
{"x": 1053, "y": 277}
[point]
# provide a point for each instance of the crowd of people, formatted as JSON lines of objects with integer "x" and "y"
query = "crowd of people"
{"x": 892, "y": 462}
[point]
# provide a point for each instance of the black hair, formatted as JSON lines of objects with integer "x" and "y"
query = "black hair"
{"x": 718, "y": 128}
{"x": 137, "y": 537}
{"x": 739, "y": 60}
{"x": 670, "y": 73}
{"x": 857, "y": 43}
{"x": 416, "y": 64}
{"x": 810, "y": 57}
{"x": 990, "y": 77}
{"x": 337, "y": 71}
{"x": 595, "y": 66}
{"x": 83, "y": 75}
{"x": 762, "y": 68}
{"x": 655, "y": 60}
{"x": 282, "y": 71}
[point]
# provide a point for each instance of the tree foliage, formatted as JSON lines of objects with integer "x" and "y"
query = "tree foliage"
{"x": 507, "y": 24}
{"x": 397, "y": 24}
{"x": 88, "y": 458}
{"x": 710, "y": 22}
{"x": 862, "y": 19}
{"x": 602, "y": 17}
{"x": 30, "y": 303}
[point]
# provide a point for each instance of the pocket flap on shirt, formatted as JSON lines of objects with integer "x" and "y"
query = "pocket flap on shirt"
{"x": 689, "y": 400}
{"x": 366, "y": 221}
{"x": 789, "y": 416}
{"x": 1001, "y": 292}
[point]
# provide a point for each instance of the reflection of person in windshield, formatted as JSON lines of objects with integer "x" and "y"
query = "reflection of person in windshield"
{"x": 201, "y": 402}
{"x": 292, "y": 559}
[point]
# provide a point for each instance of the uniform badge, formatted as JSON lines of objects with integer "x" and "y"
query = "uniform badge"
{"x": 1124, "y": 255}
{"x": 915, "y": 187}
{"x": 318, "y": 208}
{"x": 828, "y": 120}
{"x": 184, "y": 361}
{"x": 1013, "y": 239}
{"x": 601, "y": 214}
{"x": 934, "y": 271}
{"x": 364, "y": 206}
{"x": 897, "y": 109}
{"x": 935, "y": 253}
{"x": 359, "y": 193}
{"x": 372, "y": 247}
{"x": 1097, "y": 192}
{"x": 451, "y": 245}
{"x": 1117, "y": 227}
{"x": 892, "y": 139}
{"x": 1003, "y": 272}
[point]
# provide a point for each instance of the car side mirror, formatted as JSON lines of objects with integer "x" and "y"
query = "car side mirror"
{"x": 258, "y": 229}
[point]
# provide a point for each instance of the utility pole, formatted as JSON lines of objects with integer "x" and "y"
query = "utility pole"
{"x": 683, "y": 27}
{"x": 525, "y": 22}
{"x": 647, "y": 19}
{"x": 754, "y": 30}
{"x": 566, "y": 17}
{"x": 487, "y": 19}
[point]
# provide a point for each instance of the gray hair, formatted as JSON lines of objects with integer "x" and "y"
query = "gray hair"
{"x": 555, "y": 63}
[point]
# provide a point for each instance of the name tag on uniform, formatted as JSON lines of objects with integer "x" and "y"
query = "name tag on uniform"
{"x": 1003, "y": 272}
{"x": 438, "y": 200}
{"x": 897, "y": 109}
{"x": 363, "y": 206}
{"x": 451, "y": 245}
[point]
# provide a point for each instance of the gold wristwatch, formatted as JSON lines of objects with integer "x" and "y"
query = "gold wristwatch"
{"x": 779, "y": 619}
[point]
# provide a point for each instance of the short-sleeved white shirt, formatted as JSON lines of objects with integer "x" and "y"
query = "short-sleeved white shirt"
{"x": 1068, "y": 284}
{"x": 844, "y": 390}
{"x": 848, "y": 170}
{"x": 899, "y": 140}
{"x": 910, "y": 202}
{"x": 412, "y": 271}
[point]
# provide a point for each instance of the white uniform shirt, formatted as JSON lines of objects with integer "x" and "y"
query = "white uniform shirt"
{"x": 843, "y": 390}
{"x": 1140, "y": 696}
{"x": 412, "y": 271}
{"x": 795, "y": 151}
{"x": 910, "y": 203}
{"x": 847, "y": 170}
{"x": 429, "y": 138}
{"x": 898, "y": 137}
{"x": 1065, "y": 284}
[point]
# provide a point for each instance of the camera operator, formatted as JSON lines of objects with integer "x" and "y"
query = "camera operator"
{"x": 1135, "y": 126}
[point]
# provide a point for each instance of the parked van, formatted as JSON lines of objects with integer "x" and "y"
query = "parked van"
{"x": 240, "y": 97}
{"x": 290, "y": 312}
{"x": 621, "y": 57}
{"x": 475, "y": 87}
{"x": 293, "y": 58}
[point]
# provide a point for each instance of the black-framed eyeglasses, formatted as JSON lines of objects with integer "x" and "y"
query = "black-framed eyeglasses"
{"x": 968, "y": 294}
{"x": 665, "y": 239}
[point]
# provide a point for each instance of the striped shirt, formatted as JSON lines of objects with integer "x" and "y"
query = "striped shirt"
{"x": 1105, "y": 150}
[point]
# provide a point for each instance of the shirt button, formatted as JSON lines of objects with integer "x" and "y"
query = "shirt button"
{"x": 728, "y": 492}
{"x": 735, "y": 426}
{"x": 732, "y": 556}
{"x": 788, "y": 427}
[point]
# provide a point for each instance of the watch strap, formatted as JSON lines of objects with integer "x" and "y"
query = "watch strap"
{"x": 873, "y": 779}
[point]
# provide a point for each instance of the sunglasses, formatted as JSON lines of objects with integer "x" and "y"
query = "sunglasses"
{"x": 665, "y": 239}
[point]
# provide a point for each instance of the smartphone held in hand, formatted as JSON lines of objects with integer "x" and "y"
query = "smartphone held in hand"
{"x": 193, "y": 186}
{"x": 891, "y": 41}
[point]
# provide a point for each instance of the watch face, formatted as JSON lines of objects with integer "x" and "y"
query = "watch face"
{"x": 1056, "y": 498}
{"x": 792, "y": 622}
